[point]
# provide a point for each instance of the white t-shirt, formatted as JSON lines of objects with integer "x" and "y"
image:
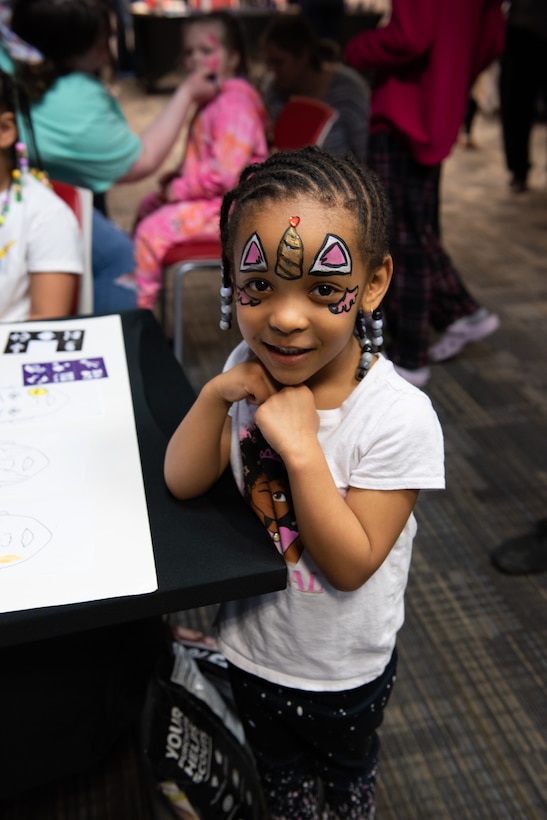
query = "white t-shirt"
{"x": 40, "y": 234}
{"x": 385, "y": 436}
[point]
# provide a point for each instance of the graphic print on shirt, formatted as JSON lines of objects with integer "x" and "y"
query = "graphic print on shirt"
{"x": 4, "y": 250}
{"x": 267, "y": 491}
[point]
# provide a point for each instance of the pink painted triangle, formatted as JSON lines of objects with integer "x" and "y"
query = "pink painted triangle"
{"x": 334, "y": 256}
{"x": 254, "y": 254}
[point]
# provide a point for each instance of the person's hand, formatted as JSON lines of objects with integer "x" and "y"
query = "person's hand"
{"x": 288, "y": 420}
{"x": 248, "y": 380}
{"x": 202, "y": 85}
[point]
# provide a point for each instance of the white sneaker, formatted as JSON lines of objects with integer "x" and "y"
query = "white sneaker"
{"x": 418, "y": 377}
{"x": 457, "y": 335}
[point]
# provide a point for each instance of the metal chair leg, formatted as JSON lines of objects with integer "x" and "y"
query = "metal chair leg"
{"x": 180, "y": 273}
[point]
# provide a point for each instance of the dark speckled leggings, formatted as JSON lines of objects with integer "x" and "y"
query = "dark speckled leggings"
{"x": 316, "y": 752}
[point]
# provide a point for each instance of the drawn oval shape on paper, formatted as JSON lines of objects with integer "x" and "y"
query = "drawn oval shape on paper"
{"x": 21, "y": 537}
{"x": 19, "y": 462}
{"x": 23, "y": 403}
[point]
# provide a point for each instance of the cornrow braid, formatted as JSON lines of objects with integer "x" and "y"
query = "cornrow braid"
{"x": 14, "y": 99}
{"x": 330, "y": 180}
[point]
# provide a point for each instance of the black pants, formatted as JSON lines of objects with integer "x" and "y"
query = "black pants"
{"x": 301, "y": 739}
{"x": 523, "y": 78}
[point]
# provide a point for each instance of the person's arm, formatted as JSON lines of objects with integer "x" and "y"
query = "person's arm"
{"x": 199, "y": 449}
{"x": 51, "y": 294}
{"x": 238, "y": 131}
{"x": 160, "y": 136}
{"x": 348, "y": 538}
{"x": 407, "y": 37}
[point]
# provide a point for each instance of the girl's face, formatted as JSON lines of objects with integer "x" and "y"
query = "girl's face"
{"x": 299, "y": 280}
{"x": 8, "y": 137}
{"x": 286, "y": 69}
{"x": 203, "y": 47}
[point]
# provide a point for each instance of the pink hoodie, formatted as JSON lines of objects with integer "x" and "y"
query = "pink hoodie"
{"x": 226, "y": 135}
{"x": 424, "y": 62}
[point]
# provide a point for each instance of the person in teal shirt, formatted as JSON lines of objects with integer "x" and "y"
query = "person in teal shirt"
{"x": 81, "y": 135}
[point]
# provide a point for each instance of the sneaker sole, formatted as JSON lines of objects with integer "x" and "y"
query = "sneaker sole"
{"x": 454, "y": 341}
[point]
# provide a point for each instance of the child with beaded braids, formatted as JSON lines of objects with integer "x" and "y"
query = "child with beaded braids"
{"x": 330, "y": 446}
{"x": 40, "y": 245}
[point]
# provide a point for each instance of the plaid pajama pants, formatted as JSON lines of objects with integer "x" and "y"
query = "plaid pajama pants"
{"x": 426, "y": 290}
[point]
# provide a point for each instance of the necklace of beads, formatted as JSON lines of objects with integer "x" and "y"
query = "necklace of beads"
{"x": 16, "y": 182}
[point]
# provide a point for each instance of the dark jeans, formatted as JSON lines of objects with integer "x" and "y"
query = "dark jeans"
{"x": 302, "y": 738}
{"x": 111, "y": 257}
{"x": 523, "y": 78}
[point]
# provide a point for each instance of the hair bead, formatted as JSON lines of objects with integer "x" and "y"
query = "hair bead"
{"x": 226, "y": 298}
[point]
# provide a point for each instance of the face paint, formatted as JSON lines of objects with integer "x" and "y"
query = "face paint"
{"x": 213, "y": 61}
{"x": 333, "y": 257}
{"x": 345, "y": 304}
{"x": 290, "y": 252}
{"x": 245, "y": 299}
{"x": 253, "y": 256}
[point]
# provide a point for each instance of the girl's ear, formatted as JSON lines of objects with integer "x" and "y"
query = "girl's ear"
{"x": 377, "y": 285}
{"x": 8, "y": 130}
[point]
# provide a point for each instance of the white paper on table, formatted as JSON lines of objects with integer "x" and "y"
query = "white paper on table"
{"x": 73, "y": 516}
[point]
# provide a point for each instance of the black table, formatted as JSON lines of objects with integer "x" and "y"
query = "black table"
{"x": 206, "y": 551}
{"x": 73, "y": 678}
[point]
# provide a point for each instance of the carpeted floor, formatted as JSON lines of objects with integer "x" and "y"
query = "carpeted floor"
{"x": 465, "y": 734}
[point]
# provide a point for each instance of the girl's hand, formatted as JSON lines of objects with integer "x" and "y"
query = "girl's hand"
{"x": 202, "y": 85}
{"x": 248, "y": 380}
{"x": 288, "y": 420}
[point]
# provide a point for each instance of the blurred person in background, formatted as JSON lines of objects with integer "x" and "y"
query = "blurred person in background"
{"x": 423, "y": 64}
{"x": 523, "y": 84}
{"x": 299, "y": 64}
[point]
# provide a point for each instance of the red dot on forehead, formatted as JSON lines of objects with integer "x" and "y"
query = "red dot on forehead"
{"x": 293, "y": 221}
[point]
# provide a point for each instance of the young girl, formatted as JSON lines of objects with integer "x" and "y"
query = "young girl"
{"x": 331, "y": 447}
{"x": 226, "y": 135}
{"x": 40, "y": 244}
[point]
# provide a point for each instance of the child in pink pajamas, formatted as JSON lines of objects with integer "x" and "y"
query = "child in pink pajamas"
{"x": 226, "y": 134}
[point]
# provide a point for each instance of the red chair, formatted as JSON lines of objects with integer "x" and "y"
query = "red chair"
{"x": 303, "y": 121}
{"x": 80, "y": 200}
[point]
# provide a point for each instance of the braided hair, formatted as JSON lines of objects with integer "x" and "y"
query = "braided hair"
{"x": 14, "y": 99}
{"x": 331, "y": 181}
